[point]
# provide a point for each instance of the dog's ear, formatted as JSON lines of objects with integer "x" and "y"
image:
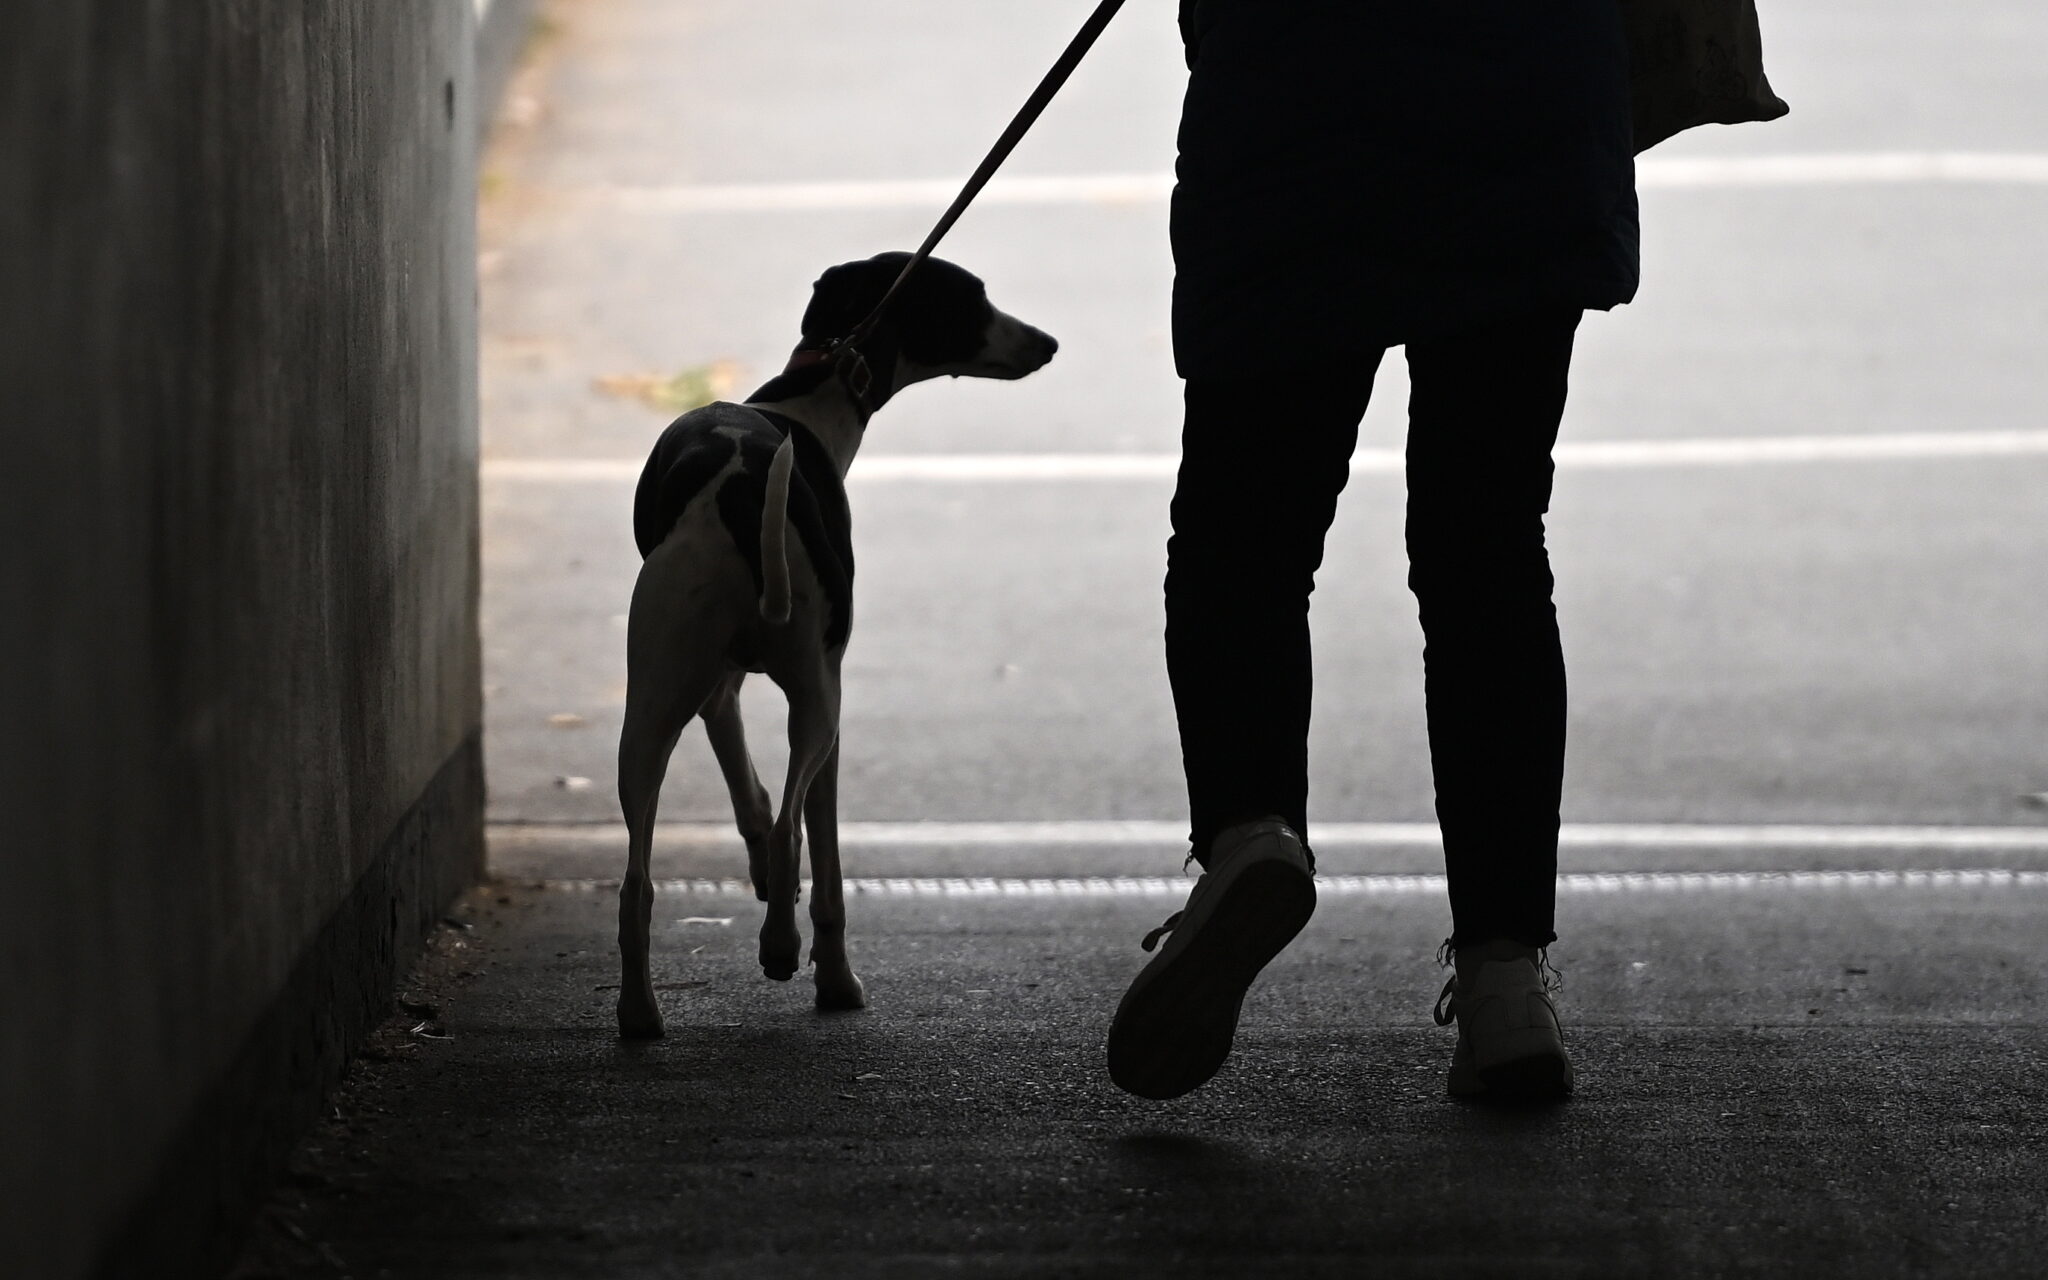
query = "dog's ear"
{"x": 833, "y": 311}
{"x": 843, "y": 296}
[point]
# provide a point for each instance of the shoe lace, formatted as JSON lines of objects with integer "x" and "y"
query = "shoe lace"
{"x": 1172, "y": 921}
{"x": 1446, "y": 1003}
{"x": 1446, "y": 1010}
{"x": 1152, "y": 938}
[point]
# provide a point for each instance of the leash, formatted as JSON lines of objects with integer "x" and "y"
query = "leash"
{"x": 845, "y": 352}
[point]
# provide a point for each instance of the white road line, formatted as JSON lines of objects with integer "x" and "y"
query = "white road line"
{"x": 1844, "y": 168}
{"x": 563, "y": 470}
{"x": 904, "y": 193}
{"x": 970, "y": 468}
{"x": 1739, "y": 450}
{"x": 1326, "y": 835}
{"x": 1813, "y": 170}
{"x": 1657, "y": 882}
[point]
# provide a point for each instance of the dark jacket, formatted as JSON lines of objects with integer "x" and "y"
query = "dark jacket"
{"x": 1360, "y": 173}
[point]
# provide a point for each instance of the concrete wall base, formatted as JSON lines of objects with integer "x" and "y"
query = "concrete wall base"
{"x": 235, "y": 1140}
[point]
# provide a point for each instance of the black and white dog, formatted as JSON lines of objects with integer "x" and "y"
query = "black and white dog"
{"x": 726, "y": 589}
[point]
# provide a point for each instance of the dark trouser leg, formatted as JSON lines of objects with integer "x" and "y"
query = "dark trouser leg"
{"x": 1482, "y": 420}
{"x": 1262, "y": 463}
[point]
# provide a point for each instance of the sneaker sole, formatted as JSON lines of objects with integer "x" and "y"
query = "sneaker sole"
{"x": 1537, "y": 1078}
{"x": 1176, "y": 1024}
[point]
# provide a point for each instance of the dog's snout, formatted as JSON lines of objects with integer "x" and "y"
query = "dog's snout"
{"x": 1013, "y": 348}
{"x": 1035, "y": 344}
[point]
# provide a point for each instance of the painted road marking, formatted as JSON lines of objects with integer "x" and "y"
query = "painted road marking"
{"x": 970, "y": 468}
{"x": 1655, "y": 882}
{"x": 1884, "y": 168}
{"x": 1327, "y": 835}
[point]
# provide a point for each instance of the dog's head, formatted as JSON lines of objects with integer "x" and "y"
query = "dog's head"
{"x": 940, "y": 324}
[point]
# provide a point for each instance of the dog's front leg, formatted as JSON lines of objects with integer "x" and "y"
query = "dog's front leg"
{"x": 813, "y": 728}
{"x": 838, "y": 987}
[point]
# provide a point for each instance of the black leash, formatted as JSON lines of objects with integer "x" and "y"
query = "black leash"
{"x": 847, "y": 349}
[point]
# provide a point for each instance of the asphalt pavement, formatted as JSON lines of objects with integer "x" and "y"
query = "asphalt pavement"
{"x": 1804, "y": 1083}
{"x": 1800, "y": 548}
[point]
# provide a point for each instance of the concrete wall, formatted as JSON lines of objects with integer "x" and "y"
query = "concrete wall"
{"x": 238, "y": 561}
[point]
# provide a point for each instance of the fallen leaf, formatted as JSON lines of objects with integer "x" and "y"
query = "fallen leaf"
{"x": 679, "y": 392}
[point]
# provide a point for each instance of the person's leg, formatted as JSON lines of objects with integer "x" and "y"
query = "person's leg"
{"x": 1483, "y": 417}
{"x": 1262, "y": 463}
{"x": 1482, "y": 421}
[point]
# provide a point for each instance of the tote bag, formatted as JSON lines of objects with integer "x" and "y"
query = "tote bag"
{"x": 1694, "y": 62}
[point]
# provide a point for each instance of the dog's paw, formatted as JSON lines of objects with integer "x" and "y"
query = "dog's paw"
{"x": 640, "y": 1022}
{"x": 840, "y": 992}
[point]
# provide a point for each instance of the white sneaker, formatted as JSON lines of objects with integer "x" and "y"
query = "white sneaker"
{"x": 1509, "y": 1044}
{"x": 1176, "y": 1023}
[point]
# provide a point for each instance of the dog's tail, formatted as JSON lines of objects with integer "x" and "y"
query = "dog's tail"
{"x": 775, "y": 535}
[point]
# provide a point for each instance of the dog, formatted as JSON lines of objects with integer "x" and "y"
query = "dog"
{"x": 747, "y": 566}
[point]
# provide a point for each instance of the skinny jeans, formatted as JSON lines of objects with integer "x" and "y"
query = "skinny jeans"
{"x": 1262, "y": 463}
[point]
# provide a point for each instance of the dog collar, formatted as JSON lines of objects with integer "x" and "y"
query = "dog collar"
{"x": 846, "y": 361}
{"x": 805, "y": 357}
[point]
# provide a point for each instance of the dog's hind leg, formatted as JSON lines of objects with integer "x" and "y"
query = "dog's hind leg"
{"x": 644, "y": 749}
{"x": 665, "y": 685}
{"x": 750, "y": 807}
{"x": 813, "y": 729}
{"x": 838, "y": 987}
{"x": 645, "y": 744}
